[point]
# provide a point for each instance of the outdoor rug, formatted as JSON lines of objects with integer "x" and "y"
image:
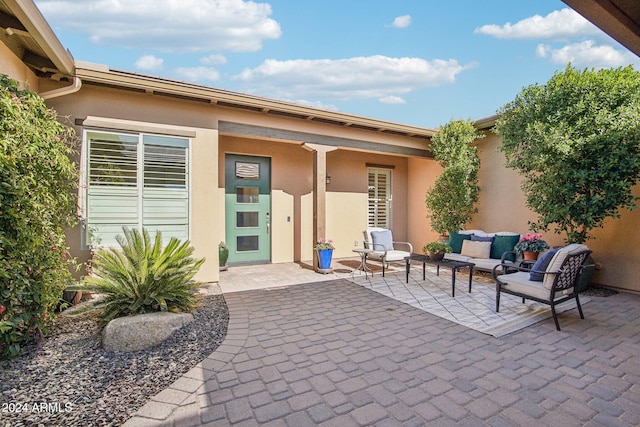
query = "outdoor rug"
{"x": 475, "y": 310}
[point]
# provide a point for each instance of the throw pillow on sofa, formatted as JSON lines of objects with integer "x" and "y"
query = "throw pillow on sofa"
{"x": 456, "y": 239}
{"x": 475, "y": 249}
{"x": 502, "y": 244}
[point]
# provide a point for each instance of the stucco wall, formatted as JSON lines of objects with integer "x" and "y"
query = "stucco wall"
{"x": 122, "y": 113}
{"x": 291, "y": 167}
{"x": 616, "y": 247}
{"x": 501, "y": 204}
{"x": 422, "y": 175}
{"x": 616, "y": 251}
{"x": 12, "y": 66}
{"x": 348, "y": 171}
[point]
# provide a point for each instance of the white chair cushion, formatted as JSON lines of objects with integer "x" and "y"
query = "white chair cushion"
{"x": 519, "y": 282}
{"x": 396, "y": 255}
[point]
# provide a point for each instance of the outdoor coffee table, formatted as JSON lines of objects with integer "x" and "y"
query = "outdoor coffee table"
{"x": 453, "y": 265}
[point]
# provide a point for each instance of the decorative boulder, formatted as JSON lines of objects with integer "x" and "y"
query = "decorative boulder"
{"x": 135, "y": 333}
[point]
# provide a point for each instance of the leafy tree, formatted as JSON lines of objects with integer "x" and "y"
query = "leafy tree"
{"x": 451, "y": 201}
{"x": 143, "y": 276}
{"x": 575, "y": 141}
{"x": 37, "y": 202}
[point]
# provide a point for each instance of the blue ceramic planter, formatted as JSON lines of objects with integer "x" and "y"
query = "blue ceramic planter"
{"x": 324, "y": 258}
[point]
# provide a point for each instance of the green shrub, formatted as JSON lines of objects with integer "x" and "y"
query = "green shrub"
{"x": 143, "y": 277}
{"x": 38, "y": 184}
{"x": 451, "y": 201}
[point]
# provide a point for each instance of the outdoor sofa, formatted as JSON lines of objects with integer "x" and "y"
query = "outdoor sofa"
{"x": 485, "y": 250}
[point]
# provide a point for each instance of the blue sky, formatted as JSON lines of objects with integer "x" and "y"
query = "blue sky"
{"x": 417, "y": 62}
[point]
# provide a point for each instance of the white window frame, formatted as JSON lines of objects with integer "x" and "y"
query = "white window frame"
{"x": 140, "y": 188}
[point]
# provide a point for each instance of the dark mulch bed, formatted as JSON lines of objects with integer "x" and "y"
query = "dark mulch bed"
{"x": 68, "y": 379}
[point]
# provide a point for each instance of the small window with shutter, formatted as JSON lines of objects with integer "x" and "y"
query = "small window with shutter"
{"x": 379, "y": 188}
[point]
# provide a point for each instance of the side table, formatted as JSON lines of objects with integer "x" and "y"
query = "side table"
{"x": 363, "y": 261}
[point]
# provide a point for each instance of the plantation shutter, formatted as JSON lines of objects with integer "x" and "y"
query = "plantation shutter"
{"x": 134, "y": 181}
{"x": 165, "y": 196}
{"x": 379, "y": 200}
{"x": 112, "y": 193}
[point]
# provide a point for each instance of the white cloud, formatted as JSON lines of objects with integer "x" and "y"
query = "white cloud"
{"x": 314, "y": 104}
{"x": 197, "y": 74}
{"x": 213, "y": 60}
{"x": 587, "y": 54}
{"x": 558, "y": 24}
{"x": 149, "y": 62}
{"x": 401, "y": 21}
{"x": 391, "y": 99}
{"x": 167, "y": 25}
{"x": 351, "y": 78}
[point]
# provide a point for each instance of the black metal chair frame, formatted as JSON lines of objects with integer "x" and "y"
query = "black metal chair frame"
{"x": 566, "y": 277}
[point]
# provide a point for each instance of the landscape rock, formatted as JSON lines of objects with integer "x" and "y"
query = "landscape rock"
{"x": 135, "y": 333}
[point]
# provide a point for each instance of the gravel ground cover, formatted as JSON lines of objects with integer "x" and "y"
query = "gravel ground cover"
{"x": 68, "y": 379}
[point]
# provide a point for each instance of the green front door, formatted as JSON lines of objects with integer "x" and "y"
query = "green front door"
{"x": 248, "y": 208}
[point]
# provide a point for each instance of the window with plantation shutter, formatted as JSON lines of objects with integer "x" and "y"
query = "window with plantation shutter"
{"x": 136, "y": 180}
{"x": 379, "y": 188}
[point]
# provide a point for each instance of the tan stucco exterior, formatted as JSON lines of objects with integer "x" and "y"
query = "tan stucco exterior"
{"x": 292, "y": 166}
{"x": 12, "y": 66}
{"x": 304, "y": 145}
{"x": 616, "y": 247}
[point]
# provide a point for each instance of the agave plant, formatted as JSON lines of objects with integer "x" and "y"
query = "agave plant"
{"x": 143, "y": 277}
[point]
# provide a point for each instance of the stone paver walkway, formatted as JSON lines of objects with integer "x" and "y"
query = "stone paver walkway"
{"x": 336, "y": 354}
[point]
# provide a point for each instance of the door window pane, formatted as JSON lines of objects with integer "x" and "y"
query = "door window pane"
{"x": 247, "y": 170}
{"x": 247, "y": 243}
{"x": 246, "y": 219}
{"x": 247, "y": 194}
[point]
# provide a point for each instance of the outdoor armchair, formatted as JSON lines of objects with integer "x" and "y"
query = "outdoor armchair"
{"x": 380, "y": 240}
{"x": 551, "y": 284}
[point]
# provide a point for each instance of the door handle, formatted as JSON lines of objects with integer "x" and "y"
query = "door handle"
{"x": 268, "y": 223}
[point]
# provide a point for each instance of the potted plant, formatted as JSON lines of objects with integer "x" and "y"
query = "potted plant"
{"x": 325, "y": 248}
{"x": 531, "y": 245}
{"x": 223, "y": 255}
{"x": 436, "y": 250}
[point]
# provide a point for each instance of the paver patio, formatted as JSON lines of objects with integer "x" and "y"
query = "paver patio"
{"x": 335, "y": 353}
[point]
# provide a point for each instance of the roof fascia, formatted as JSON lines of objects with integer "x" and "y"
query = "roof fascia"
{"x": 101, "y": 74}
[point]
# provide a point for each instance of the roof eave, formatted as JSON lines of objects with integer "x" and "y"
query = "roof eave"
{"x": 160, "y": 86}
{"x": 29, "y": 15}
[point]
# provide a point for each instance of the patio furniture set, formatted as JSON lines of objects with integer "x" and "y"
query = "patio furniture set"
{"x": 551, "y": 280}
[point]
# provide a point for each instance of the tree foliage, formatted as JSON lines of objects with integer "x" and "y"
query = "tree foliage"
{"x": 451, "y": 201}
{"x": 575, "y": 141}
{"x": 37, "y": 202}
{"x": 142, "y": 276}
